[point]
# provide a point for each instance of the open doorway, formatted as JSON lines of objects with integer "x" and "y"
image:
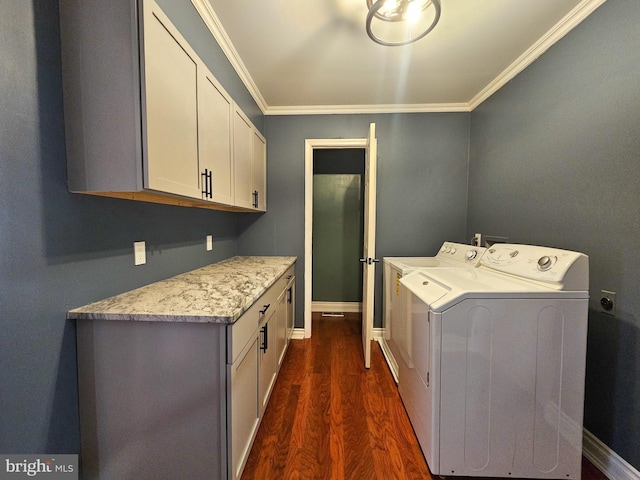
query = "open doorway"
{"x": 312, "y": 146}
{"x": 338, "y": 230}
{"x": 368, "y": 260}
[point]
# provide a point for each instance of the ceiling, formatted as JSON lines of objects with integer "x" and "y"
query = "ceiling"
{"x": 314, "y": 56}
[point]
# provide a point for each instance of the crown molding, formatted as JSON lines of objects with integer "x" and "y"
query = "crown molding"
{"x": 368, "y": 109}
{"x": 564, "y": 26}
{"x": 559, "y": 30}
{"x": 212, "y": 21}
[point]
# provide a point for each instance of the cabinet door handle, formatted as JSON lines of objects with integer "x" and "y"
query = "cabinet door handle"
{"x": 265, "y": 338}
{"x": 205, "y": 184}
{"x": 289, "y": 294}
{"x": 264, "y": 310}
{"x": 255, "y": 199}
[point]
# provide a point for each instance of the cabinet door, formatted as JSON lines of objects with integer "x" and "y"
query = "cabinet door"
{"x": 170, "y": 119}
{"x": 243, "y": 408}
{"x": 242, "y": 153}
{"x": 291, "y": 306}
{"x": 259, "y": 171}
{"x": 281, "y": 327}
{"x": 216, "y": 162}
{"x": 267, "y": 360}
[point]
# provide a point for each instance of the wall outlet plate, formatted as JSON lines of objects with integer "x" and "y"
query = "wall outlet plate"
{"x": 608, "y": 302}
{"x": 139, "y": 253}
{"x": 209, "y": 242}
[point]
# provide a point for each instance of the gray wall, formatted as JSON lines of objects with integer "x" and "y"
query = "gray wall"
{"x": 59, "y": 250}
{"x": 555, "y": 160}
{"x": 422, "y": 185}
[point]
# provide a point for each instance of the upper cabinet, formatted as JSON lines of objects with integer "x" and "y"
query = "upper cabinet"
{"x": 259, "y": 171}
{"x": 145, "y": 118}
{"x": 216, "y": 140}
{"x": 170, "y": 98}
{"x": 242, "y": 159}
{"x": 250, "y": 162}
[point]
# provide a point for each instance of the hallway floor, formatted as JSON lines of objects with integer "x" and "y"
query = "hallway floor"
{"x": 330, "y": 418}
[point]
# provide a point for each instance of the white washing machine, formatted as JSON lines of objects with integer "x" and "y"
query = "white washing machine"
{"x": 494, "y": 386}
{"x": 393, "y": 340}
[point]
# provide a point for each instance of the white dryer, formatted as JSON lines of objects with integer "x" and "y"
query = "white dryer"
{"x": 494, "y": 386}
{"x": 393, "y": 340}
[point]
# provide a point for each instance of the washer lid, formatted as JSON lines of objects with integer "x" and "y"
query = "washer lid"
{"x": 446, "y": 287}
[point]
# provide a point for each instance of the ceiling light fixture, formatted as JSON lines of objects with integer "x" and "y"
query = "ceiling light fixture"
{"x": 400, "y": 22}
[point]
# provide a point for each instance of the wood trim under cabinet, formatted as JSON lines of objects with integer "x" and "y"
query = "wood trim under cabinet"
{"x": 163, "y": 198}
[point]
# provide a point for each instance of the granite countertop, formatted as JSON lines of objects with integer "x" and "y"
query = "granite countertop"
{"x": 216, "y": 293}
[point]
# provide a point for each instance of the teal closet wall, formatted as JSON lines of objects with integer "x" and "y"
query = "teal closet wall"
{"x": 338, "y": 204}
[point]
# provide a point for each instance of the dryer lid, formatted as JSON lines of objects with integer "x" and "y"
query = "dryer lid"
{"x": 426, "y": 288}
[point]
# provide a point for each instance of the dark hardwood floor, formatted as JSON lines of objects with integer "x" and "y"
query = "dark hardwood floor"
{"x": 330, "y": 418}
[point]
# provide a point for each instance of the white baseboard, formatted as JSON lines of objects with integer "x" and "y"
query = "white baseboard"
{"x": 388, "y": 356}
{"x": 343, "y": 307}
{"x": 606, "y": 460}
{"x": 298, "y": 334}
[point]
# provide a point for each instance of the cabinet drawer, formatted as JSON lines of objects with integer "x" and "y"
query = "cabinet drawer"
{"x": 244, "y": 330}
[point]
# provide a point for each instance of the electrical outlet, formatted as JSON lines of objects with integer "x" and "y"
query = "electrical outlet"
{"x": 209, "y": 242}
{"x": 608, "y": 302}
{"x": 139, "y": 253}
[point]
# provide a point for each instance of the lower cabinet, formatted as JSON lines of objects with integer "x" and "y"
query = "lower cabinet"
{"x": 176, "y": 399}
{"x": 291, "y": 305}
{"x": 281, "y": 327}
{"x": 244, "y": 414}
{"x": 267, "y": 367}
{"x": 256, "y": 344}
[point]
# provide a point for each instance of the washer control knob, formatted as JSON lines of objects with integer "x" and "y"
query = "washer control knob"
{"x": 453, "y": 250}
{"x": 471, "y": 254}
{"x": 545, "y": 263}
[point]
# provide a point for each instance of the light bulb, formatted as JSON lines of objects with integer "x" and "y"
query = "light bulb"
{"x": 389, "y": 8}
{"x": 413, "y": 12}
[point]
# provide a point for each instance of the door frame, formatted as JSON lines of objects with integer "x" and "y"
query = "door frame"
{"x": 310, "y": 145}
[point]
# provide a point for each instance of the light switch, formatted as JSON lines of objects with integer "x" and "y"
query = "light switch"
{"x": 209, "y": 242}
{"x": 139, "y": 253}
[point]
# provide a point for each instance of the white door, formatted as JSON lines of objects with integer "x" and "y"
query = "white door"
{"x": 369, "y": 251}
